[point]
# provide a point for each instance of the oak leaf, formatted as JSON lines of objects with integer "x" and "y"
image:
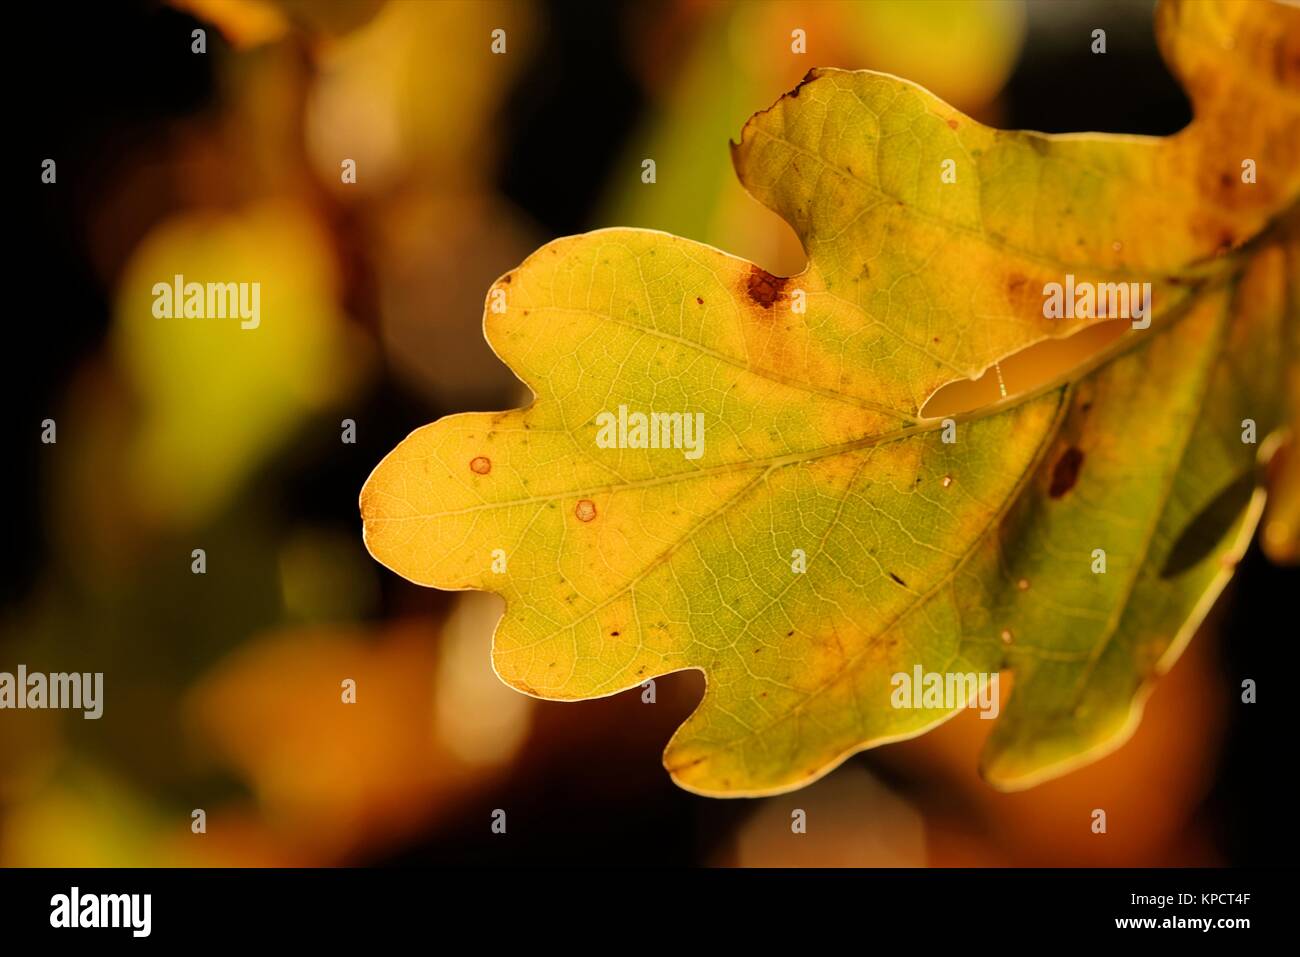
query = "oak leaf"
{"x": 978, "y": 555}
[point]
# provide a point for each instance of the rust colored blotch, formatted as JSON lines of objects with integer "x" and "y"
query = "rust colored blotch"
{"x": 480, "y": 465}
{"x": 586, "y": 510}
{"x": 763, "y": 287}
{"x": 1066, "y": 472}
{"x": 699, "y": 300}
{"x": 953, "y": 124}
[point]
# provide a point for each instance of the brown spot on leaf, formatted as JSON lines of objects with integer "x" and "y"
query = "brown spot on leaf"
{"x": 699, "y": 300}
{"x": 585, "y": 510}
{"x": 952, "y": 124}
{"x": 480, "y": 465}
{"x": 764, "y": 288}
{"x": 1066, "y": 472}
{"x": 897, "y": 579}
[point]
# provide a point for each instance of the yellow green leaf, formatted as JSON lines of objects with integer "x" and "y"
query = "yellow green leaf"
{"x": 830, "y": 536}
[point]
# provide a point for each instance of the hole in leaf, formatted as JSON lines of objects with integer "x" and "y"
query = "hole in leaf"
{"x": 1025, "y": 370}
